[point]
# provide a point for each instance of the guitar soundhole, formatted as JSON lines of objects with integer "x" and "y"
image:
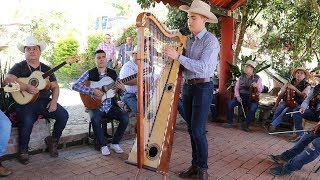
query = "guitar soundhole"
{"x": 34, "y": 82}
{"x": 153, "y": 151}
{"x": 170, "y": 87}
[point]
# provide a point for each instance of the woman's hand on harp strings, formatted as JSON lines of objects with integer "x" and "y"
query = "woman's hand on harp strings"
{"x": 302, "y": 110}
{"x": 171, "y": 52}
{"x": 290, "y": 86}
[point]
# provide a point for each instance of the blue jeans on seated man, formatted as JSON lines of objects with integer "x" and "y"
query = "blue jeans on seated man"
{"x": 116, "y": 113}
{"x": 29, "y": 113}
{"x": 308, "y": 114}
{"x": 131, "y": 100}
{"x": 196, "y": 100}
{"x": 304, "y": 151}
{"x": 280, "y": 113}
{"x": 5, "y": 130}
{"x": 250, "y": 114}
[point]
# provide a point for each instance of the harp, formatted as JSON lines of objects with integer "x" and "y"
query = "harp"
{"x": 158, "y": 95}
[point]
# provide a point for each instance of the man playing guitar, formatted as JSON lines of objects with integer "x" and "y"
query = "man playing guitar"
{"x": 43, "y": 105}
{"x": 108, "y": 107}
{"x": 291, "y": 101}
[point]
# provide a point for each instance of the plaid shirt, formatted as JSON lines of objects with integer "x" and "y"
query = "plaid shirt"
{"x": 78, "y": 86}
{"x": 109, "y": 49}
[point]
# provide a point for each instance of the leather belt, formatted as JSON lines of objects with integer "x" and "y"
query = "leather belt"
{"x": 198, "y": 80}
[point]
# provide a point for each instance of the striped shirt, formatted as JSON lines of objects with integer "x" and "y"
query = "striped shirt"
{"x": 201, "y": 56}
{"x": 123, "y": 56}
{"x": 109, "y": 49}
{"x": 78, "y": 86}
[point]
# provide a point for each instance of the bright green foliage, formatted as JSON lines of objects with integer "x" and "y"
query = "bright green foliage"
{"x": 63, "y": 50}
{"x": 292, "y": 36}
{"x": 93, "y": 42}
{"x": 130, "y": 31}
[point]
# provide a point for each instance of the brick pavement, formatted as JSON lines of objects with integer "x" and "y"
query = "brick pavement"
{"x": 233, "y": 154}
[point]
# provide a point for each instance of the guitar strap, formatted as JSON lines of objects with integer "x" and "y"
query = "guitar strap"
{"x": 34, "y": 68}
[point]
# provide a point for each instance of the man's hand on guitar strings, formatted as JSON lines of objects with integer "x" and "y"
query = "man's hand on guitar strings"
{"x": 97, "y": 93}
{"x": 120, "y": 85}
{"x": 31, "y": 89}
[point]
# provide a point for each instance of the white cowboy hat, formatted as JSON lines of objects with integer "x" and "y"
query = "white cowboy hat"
{"x": 2, "y": 47}
{"x": 31, "y": 41}
{"x": 202, "y": 8}
{"x": 306, "y": 72}
{"x": 135, "y": 50}
{"x": 251, "y": 63}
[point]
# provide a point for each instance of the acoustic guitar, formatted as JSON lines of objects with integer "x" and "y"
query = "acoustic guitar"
{"x": 107, "y": 85}
{"x": 40, "y": 80}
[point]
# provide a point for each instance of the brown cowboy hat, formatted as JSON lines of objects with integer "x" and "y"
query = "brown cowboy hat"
{"x": 306, "y": 72}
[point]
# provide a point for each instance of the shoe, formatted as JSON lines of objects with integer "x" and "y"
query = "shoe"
{"x": 245, "y": 127}
{"x": 227, "y": 125}
{"x": 295, "y": 139}
{"x": 191, "y": 172}
{"x": 271, "y": 129}
{"x": 203, "y": 174}
{"x": 4, "y": 171}
{"x": 279, "y": 171}
{"x": 105, "y": 151}
{"x": 52, "y": 144}
{"x": 116, "y": 148}
{"x": 278, "y": 159}
{"x": 23, "y": 157}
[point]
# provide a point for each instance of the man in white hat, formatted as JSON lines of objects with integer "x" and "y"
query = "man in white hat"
{"x": 199, "y": 61}
{"x": 5, "y": 129}
{"x": 245, "y": 97}
{"x": 45, "y": 105}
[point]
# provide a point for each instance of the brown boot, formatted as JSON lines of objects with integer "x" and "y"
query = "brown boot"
{"x": 191, "y": 172}
{"x": 203, "y": 174}
{"x": 52, "y": 144}
{"x": 23, "y": 157}
{"x": 3, "y": 170}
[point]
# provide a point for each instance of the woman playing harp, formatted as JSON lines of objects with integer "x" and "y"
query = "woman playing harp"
{"x": 199, "y": 63}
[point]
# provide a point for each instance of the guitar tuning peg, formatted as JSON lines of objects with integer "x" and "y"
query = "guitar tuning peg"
{"x": 6, "y": 95}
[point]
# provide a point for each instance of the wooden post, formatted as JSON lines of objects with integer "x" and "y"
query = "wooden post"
{"x": 226, "y": 55}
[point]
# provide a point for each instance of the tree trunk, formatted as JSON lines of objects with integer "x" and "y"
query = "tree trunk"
{"x": 243, "y": 28}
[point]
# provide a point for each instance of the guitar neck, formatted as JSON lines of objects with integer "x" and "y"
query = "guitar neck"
{"x": 105, "y": 88}
{"x": 51, "y": 71}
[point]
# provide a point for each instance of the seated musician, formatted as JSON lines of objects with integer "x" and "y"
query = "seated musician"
{"x": 292, "y": 95}
{"x": 108, "y": 107}
{"x": 5, "y": 130}
{"x": 303, "y": 152}
{"x": 310, "y": 109}
{"x": 244, "y": 97}
{"x": 43, "y": 105}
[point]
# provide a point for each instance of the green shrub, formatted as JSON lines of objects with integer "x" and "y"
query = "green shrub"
{"x": 130, "y": 31}
{"x": 63, "y": 50}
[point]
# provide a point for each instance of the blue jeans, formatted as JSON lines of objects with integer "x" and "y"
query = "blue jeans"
{"x": 196, "y": 102}
{"x": 29, "y": 113}
{"x": 5, "y": 130}
{"x": 114, "y": 113}
{"x": 280, "y": 113}
{"x": 109, "y": 64}
{"x": 181, "y": 109}
{"x": 304, "y": 151}
{"x": 131, "y": 100}
{"x": 308, "y": 114}
{"x": 250, "y": 114}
